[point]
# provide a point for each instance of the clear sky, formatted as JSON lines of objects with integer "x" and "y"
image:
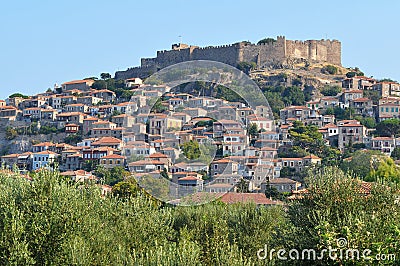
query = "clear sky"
{"x": 47, "y": 42}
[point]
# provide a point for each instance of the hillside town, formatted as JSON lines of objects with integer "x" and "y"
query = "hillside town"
{"x": 252, "y": 153}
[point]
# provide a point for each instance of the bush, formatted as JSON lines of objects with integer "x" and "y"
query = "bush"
{"x": 246, "y": 66}
{"x": 266, "y": 41}
{"x": 330, "y": 69}
{"x": 49, "y": 220}
{"x": 11, "y": 133}
{"x": 335, "y": 207}
{"x": 47, "y": 130}
{"x": 331, "y": 90}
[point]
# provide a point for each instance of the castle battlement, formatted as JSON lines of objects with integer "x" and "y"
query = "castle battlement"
{"x": 326, "y": 51}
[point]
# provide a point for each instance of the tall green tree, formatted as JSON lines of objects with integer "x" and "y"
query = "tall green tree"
{"x": 389, "y": 127}
{"x": 386, "y": 170}
{"x": 331, "y": 90}
{"x": 293, "y": 96}
{"x": 253, "y": 130}
{"x": 360, "y": 163}
{"x": 105, "y": 76}
{"x": 191, "y": 149}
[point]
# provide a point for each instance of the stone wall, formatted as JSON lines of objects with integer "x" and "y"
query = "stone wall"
{"x": 228, "y": 54}
{"x": 328, "y": 51}
{"x": 170, "y": 57}
{"x": 136, "y": 72}
{"x": 316, "y": 51}
{"x": 264, "y": 54}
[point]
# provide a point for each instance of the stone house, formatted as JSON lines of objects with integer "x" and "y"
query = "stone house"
{"x": 112, "y": 160}
{"x": 282, "y": 185}
{"x": 83, "y": 85}
{"x": 350, "y": 131}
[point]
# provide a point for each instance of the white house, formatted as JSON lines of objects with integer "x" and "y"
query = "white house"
{"x": 43, "y": 159}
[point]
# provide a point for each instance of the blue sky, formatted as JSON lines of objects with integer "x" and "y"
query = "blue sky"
{"x": 47, "y": 42}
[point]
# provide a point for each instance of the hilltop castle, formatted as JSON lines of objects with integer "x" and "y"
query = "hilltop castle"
{"x": 275, "y": 53}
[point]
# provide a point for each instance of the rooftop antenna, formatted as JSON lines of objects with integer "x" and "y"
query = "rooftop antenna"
{"x": 180, "y": 39}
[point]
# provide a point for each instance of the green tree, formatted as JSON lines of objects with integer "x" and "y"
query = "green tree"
{"x": 105, "y": 76}
{"x": 343, "y": 114}
{"x": 275, "y": 102}
{"x": 306, "y": 137}
{"x": 293, "y": 96}
{"x": 297, "y": 82}
{"x": 99, "y": 84}
{"x": 372, "y": 95}
{"x": 395, "y": 153}
{"x": 360, "y": 162}
{"x": 158, "y": 107}
{"x": 253, "y": 130}
{"x": 157, "y": 187}
{"x": 330, "y": 69}
{"x": 386, "y": 170}
{"x": 329, "y": 111}
{"x": 266, "y": 41}
{"x": 111, "y": 176}
{"x": 11, "y": 133}
{"x": 243, "y": 186}
{"x": 272, "y": 192}
{"x": 387, "y": 80}
{"x": 73, "y": 138}
{"x": 17, "y": 94}
{"x": 293, "y": 152}
{"x": 126, "y": 189}
{"x": 90, "y": 165}
{"x": 355, "y": 72}
{"x": 389, "y": 127}
{"x": 191, "y": 149}
{"x": 337, "y": 207}
{"x": 135, "y": 158}
{"x": 288, "y": 171}
{"x": 246, "y": 67}
{"x": 331, "y": 90}
{"x": 368, "y": 122}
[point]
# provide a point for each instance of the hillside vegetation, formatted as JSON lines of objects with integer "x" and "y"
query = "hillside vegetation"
{"x": 51, "y": 221}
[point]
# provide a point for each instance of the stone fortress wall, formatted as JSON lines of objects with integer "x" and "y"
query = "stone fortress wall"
{"x": 315, "y": 51}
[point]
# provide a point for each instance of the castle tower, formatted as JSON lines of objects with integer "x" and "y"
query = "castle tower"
{"x": 312, "y": 50}
{"x": 281, "y": 41}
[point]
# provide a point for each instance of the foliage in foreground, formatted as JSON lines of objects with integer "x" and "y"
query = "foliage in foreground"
{"x": 50, "y": 221}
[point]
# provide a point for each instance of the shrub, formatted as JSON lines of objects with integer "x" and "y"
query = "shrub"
{"x": 330, "y": 69}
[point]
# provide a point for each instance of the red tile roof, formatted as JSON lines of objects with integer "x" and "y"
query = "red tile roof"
{"x": 113, "y": 156}
{"x": 257, "y": 198}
